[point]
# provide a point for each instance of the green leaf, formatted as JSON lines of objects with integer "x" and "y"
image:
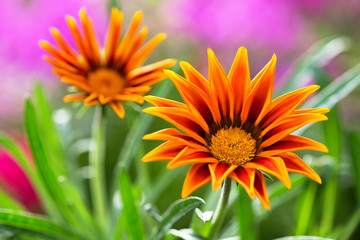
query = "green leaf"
{"x": 316, "y": 57}
{"x": 345, "y": 231}
{"x": 175, "y": 212}
{"x": 23, "y": 162}
{"x": 303, "y": 238}
{"x": 34, "y": 224}
{"x": 333, "y": 140}
{"x": 132, "y": 216}
{"x": 305, "y": 209}
{"x": 186, "y": 234}
{"x": 138, "y": 129}
{"x": 245, "y": 216}
{"x": 334, "y": 92}
{"x": 6, "y": 201}
{"x": 48, "y": 128}
{"x": 354, "y": 143}
{"x": 58, "y": 200}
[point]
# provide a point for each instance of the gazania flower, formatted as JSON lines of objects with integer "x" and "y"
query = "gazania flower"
{"x": 231, "y": 127}
{"x": 110, "y": 75}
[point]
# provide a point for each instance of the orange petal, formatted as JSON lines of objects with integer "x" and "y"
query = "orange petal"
{"x": 273, "y": 165}
{"x": 260, "y": 190}
{"x": 312, "y": 110}
{"x": 148, "y": 69}
{"x": 239, "y": 77}
{"x": 90, "y": 41}
{"x": 219, "y": 171}
{"x": 113, "y": 35}
{"x": 289, "y": 125}
{"x": 163, "y": 102}
{"x": 79, "y": 41}
{"x": 245, "y": 177}
{"x": 176, "y": 136}
{"x": 93, "y": 96}
{"x": 197, "y": 176}
{"x": 191, "y": 156}
{"x": 261, "y": 93}
{"x": 195, "y": 77}
{"x": 74, "y": 97}
{"x": 292, "y": 143}
{"x": 128, "y": 39}
{"x": 286, "y": 104}
{"x": 164, "y": 152}
{"x": 219, "y": 86}
{"x": 140, "y": 56}
{"x": 296, "y": 165}
{"x": 61, "y": 42}
{"x": 195, "y": 99}
{"x": 146, "y": 78}
{"x": 181, "y": 119}
{"x": 118, "y": 109}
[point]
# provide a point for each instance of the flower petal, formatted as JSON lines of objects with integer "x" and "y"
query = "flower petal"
{"x": 289, "y": 125}
{"x": 282, "y": 106}
{"x": 296, "y": 165}
{"x": 273, "y": 165}
{"x": 239, "y": 77}
{"x": 261, "y": 93}
{"x": 164, "y": 152}
{"x": 219, "y": 171}
{"x": 181, "y": 119}
{"x": 292, "y": 143}
{"x": 246, "y": 178}
{"x": 197, "y": 176}
{"x": 191, "y": 156}
{"x": 195, "y": 77}
{"x": 260, "y": 190}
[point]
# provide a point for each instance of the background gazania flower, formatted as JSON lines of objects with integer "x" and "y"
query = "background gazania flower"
{"x": 233, "y": 128}
{"x": 112, "y": 75}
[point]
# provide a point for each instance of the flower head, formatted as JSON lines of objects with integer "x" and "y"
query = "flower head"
{"x": 231, "y": 127}
{"x": 111, "y": 75}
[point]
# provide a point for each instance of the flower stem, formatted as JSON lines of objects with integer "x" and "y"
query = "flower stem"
{"x": 219, "y": 214}
{"x": 96, "y": 161}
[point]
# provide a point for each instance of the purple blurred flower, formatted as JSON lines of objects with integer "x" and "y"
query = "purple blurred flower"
{"x": 22, "y": 24}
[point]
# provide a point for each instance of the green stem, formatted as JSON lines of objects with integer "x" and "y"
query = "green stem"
{"x": 96, "y": 161}
{"x": 219, "y": 214}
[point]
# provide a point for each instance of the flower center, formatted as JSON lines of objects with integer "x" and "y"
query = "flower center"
{"x": 233, "y": 146}
{"x": 106, "y": 81}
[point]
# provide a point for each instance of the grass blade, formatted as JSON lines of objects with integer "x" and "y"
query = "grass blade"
{"x": 132, "y": 216}
{"x": 34, "y": 224}
{"x": 175, "y": 212}
{"x": 316, "y": 57}
{"x": 245, "y": 216}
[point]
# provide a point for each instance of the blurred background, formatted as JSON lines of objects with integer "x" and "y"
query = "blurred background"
{"x": 316, "y": 41}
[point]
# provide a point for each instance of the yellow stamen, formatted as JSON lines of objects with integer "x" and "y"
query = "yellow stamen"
{"x": 233, "y": 146}
{"x": 106, "y": 81}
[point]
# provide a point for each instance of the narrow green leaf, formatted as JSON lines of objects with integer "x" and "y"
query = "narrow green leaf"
{"x": 303, "y": 238}
{"x": 316, "y": 57}
{"x": 305, "y": 208}
{"x": 6, "y": 201}
{"x": 139, "y": 127}
{"x": 48, "y": 128}
{"x": 186, "y": 234}
{"x": 34, "y": 224}
{"x": 334, "y": 92}
{"x": 175, "y": 212}
{"x": 39, "y": 185}
{"x": 354, "y": 143}
{"x": 333, "y": 140}
{"x": 245, "y": 216}
{"x": 347, "y": 230}
{"x": 132, "y": 216}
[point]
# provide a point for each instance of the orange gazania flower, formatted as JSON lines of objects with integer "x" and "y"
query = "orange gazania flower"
{"x": 110, "y": 75}
{"x": 231, "y": 127}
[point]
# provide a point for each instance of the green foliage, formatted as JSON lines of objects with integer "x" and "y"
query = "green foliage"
{"x": 35, "y": 225}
